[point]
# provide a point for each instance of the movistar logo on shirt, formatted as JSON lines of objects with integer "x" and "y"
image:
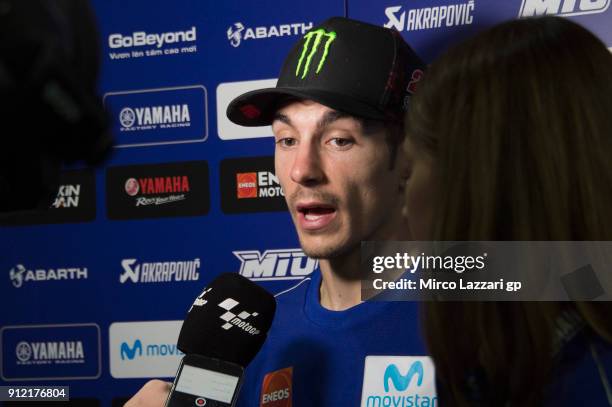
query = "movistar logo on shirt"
{"x": 402, "y": 381}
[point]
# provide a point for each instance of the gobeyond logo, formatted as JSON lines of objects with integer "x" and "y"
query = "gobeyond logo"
{"x": 128, "y": 352}
{"x": 309, "y": 51}
{"x": 530, "y": 8}
{"x": 402, "y": 382}
{"x": 238, "y": 320}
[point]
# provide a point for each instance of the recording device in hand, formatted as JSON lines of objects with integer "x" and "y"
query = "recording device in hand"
{"x": 224, "y": 329}
{"x": 51, "y": 113}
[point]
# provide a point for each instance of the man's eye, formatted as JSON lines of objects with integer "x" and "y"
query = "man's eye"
{"x": 341, "y": 142}
{"x": 286, "y": 142}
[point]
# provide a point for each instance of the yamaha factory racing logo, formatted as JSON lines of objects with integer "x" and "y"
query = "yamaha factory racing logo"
{"x": 530, "y": 8}
{"x": 45, "y": 352}
{"x": 158, "y": 116}
{"x": 159, "y": 272}
{"x": 399, "y": 381}
{"x": 275, "y": 265}
{"x": 415, "y": 19}
{"x": 139, "y": 44}
{"x": 237, "y": 32}
{"x": 150, "y": 117}
{"x": 20, "y": 275}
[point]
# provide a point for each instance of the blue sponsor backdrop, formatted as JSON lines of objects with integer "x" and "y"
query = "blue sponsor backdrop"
{"x": 159, "y": 56}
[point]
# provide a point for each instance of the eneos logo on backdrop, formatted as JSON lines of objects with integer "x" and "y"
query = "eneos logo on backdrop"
{"x": 159, "y": 116}
{"x": 249, "y": 185}
{"x": 158, "y": 190}
{"x": 144, "y": 349}
{"x": 50, "y": 352}
{"x": 275, "y": 265}
{"x": 399, "y": 381}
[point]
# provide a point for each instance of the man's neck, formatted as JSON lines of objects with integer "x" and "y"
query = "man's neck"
{"x": 340, "y": 276}
{"x": 340, "y": 285}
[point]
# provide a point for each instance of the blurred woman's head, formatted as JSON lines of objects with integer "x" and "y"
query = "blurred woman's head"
{"x": 509, "y": 137}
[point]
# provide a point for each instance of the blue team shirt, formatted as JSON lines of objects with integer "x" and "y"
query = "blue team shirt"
{"x": 316, "y": 357}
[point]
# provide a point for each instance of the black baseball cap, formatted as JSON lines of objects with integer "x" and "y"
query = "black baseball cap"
{"x": 351, "y": 66}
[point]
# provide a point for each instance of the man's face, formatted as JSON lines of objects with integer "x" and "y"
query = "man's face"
{"x": 336, "y": 179}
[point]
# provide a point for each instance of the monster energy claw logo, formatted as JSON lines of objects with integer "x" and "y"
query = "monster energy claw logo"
{"x": 318, "y": 36}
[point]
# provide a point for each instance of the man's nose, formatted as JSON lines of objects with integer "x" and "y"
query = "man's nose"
{"x": 307, "y": 168}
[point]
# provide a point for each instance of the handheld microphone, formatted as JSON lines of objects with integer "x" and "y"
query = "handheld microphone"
{"x": 224, "y": 329}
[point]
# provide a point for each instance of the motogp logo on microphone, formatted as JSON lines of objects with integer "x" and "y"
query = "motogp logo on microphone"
{"x": 237, "y": 320}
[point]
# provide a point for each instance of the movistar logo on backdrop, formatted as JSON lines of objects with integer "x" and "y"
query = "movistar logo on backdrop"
{"x": 426, "y": 18}
{"x": 137, "y": 350}
{"x": 144, "y": 349}
{"x": 237, "y": 32}
{"x": 530, "y": 8}
{"x": 402, "y": 382}
{"x": 399, "y": 381}
{"x": 310, "y": 48}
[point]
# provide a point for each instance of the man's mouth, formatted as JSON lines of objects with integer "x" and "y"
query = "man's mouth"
{"x": 315, "y": 215}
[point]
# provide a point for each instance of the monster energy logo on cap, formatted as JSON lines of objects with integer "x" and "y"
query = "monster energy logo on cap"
{"x": 318, "y": 36}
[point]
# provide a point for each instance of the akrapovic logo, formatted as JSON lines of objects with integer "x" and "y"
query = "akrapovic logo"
{"x": 20, "y": 275}
{"x": 154, "y": 117}
{"x": 286, "y": 264}
{"x": 260, "y": 184}
{"x": 52, "y": 352}
{"x": 313, "y": 41}
{"x": 237, "y": 319}
{"x": 237, "y": 32}
{"x": 159, "y": 272}
{"x": 67, "y": 196}
{"x": 425, "y": 18}
{"x": 530, "y": 8}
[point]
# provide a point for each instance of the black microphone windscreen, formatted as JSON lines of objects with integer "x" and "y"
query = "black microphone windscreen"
{"x": 229, "y": 320}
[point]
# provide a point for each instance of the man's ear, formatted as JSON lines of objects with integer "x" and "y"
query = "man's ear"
{"x": 404, "y": 169}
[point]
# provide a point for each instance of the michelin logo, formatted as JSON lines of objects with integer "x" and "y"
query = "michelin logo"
{"x": 430, "y": 17}
{"x": 285, "y": 264}
{"x": 530, "y": 8}
{"x": 159, "y": 272}
{"x": 237, "y": 32}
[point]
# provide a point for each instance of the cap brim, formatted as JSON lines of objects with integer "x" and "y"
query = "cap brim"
{"x": 258, "y": 107}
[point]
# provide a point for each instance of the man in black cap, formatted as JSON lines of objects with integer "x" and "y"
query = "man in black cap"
{"x": 336, "y": 114}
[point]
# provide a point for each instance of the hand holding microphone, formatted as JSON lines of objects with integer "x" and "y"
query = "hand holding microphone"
{"x": 224, "y": 329}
